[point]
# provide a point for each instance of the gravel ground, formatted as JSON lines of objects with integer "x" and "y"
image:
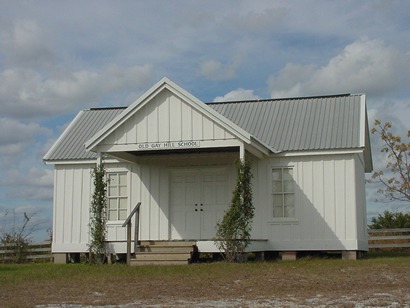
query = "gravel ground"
{"x": 304, "y": 283}
{"x": 400, "y": 298}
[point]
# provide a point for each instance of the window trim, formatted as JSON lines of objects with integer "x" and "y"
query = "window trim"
{"x": 128, "y": 195}
{"x": 282, "y": 220}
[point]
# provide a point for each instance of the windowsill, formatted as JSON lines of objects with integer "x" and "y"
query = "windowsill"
{"x": 284, "y": 221}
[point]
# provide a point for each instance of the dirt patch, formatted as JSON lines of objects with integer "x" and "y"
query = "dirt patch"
{"x": 305, "y": 283}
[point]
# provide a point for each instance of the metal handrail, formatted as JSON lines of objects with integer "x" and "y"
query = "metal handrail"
{"x": 128, "y": 223}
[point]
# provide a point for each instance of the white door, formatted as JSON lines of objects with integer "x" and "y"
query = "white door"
{"x": 199, "y": 198}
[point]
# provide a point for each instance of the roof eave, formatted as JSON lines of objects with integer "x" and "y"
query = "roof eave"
{"x": 48, "y": 155}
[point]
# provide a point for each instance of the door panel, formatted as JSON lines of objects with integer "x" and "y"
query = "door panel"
{"x": 198, "y": 200}
{"x": 216, "y": 192}
{"x": 184, "y": 191}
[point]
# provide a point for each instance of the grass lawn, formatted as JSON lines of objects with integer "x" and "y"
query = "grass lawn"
{"x": 383, "y": 277}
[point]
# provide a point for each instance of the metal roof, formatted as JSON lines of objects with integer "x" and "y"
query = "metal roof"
{"x": 295, "y": 124}
{"x": 70, "y": 145}
{"x": 292, "y": 124}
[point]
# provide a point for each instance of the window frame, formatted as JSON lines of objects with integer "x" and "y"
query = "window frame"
{"x": 118, "y": 196}
{"x": 283, "y": 219}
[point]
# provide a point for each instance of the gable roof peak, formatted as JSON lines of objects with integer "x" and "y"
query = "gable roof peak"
{"x": 166, "y": 83}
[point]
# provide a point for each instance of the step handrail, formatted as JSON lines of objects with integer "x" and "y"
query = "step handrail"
{"x": 128, "y": 223}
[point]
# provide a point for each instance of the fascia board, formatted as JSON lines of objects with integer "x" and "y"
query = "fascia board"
{"x": 81, "y": 162}
{"x": 62, "y": 136}
{"x": 71, "y": 162}
{"x": 363, "y": 119}
{"x": 263, "y": 147}
{"x": 319, "y": 152}
{"x": 365, "y": 135}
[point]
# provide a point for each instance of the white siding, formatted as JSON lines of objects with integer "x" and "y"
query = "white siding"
{"x": 329, "y": 204}
{"x": 330, "y": 201}
{"x": 72, "y": 195}
{"x": 361, "y": 211}
{"x": 167, "y": 118}
{"x": 148, "y": 183}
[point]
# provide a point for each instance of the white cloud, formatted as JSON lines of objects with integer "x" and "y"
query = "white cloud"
{"x": 257, "y": 20}
{"x": 16, "y": 137}
{"x": 237, "y": 95}
{"x": 25, "y": 93}
{"x": 215, "y": 70}
{"x": 363, "y": 66}
{"x": 25, "y": 43}
{"x": 35, "y": 177}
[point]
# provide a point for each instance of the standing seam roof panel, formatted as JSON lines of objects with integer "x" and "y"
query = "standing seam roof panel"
{"x": 316, "y": 123}
{"x": 88, "y": 123}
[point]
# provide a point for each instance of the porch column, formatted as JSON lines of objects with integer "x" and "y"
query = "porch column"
{"x": 99, "y": 158}
{"x": 242, "y": 152}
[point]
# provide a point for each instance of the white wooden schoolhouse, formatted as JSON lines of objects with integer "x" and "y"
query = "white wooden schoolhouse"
{"x": 176, "y": 155}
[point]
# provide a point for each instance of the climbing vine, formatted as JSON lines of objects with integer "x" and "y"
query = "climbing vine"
{"x": 98, "y": 215}
{"x": 234, "y": 230}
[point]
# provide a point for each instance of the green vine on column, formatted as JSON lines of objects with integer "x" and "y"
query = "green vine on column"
{"x": 234, "y": 230}
{"x": 98, "y": 215}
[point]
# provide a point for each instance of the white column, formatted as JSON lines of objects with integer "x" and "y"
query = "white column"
{"x": 99, "y": 158}
{"x": 242, "y": 152}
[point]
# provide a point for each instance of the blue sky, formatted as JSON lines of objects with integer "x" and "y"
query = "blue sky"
{"x": 58, "y": 57}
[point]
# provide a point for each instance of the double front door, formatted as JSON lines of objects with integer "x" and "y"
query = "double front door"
{"x": 198, "y": 200}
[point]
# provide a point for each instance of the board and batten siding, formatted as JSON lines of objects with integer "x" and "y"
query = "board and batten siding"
{"x": 166, "y": 118}
{"x": 151, "y": 186}
{"x": 72, "y": 196}
{"x": 361, "y": 216}
{"x": 73, "y": 191}
{"x": 328, "y": 198}
{"x": 148, "y": 183}
{"x": 330, "y": 201}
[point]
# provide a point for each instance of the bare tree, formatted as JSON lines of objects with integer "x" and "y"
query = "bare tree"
{"x": 395, "y": 179}
{"x": 15, "y": 239}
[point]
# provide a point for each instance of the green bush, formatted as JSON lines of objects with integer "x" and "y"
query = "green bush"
{"x": 391, "y": 220}
{"x": 234, "y": 230}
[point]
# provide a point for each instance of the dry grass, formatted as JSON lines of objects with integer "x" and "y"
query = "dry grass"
{"x": 305, "y": 282}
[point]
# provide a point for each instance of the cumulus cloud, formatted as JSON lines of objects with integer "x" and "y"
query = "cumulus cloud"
{"x": 33, "y": 184}
{"x": 255, "y": 19}
{"x": 34, "y": 176}
{"x": 237, "y": 95}
{"x": 26, "y": 93}
{"x": 363, "y": 66}
{"x": 15, "y": 137}
{"x": 215, "y": 70}
{"x": 24, "y": 43}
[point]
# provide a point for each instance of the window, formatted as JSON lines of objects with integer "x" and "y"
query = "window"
{"x": 117, "y": 196}
{"x": 283, "y": 192}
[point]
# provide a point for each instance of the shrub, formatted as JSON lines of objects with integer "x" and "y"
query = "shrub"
{"x": 391, "y": 220}
{"x": 234, "y": 230}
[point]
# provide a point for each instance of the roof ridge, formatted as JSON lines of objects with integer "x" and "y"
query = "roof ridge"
{"x": 106, "y": 108}
{"x": 284, "y": 98}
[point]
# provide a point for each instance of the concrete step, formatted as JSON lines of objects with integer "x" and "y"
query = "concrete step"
{"x": 164, "y": 249}
{"x": 135, "y": 262}
{"x": 168, "y": 243}
{"x": 163, "y": 253}
{"x": 162, "y": 256}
